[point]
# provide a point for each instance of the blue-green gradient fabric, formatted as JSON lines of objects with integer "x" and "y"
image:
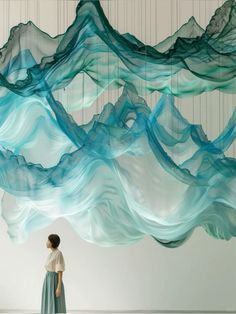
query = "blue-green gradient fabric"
{"x": 130, "y": 171}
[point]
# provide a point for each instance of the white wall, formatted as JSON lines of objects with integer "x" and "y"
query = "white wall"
{"x": 200, "y": 275}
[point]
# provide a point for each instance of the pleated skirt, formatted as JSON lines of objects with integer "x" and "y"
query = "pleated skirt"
{"x": 50, "y": 303}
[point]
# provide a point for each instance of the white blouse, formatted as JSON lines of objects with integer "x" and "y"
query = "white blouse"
{"x": 55, "y": 261}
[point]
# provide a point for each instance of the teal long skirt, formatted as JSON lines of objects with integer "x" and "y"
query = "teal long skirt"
{"x": 50, "y": 303}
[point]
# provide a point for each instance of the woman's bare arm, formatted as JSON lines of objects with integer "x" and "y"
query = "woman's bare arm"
{"x": 59, "y": 274}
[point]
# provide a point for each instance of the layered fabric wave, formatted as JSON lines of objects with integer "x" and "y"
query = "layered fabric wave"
{"x": 131, "y": 171}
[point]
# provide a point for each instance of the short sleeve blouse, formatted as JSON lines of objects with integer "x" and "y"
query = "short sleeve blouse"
{"x": 55, "y": 261}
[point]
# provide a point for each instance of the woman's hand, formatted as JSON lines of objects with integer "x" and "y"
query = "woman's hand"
{"x": 58, "y": 292}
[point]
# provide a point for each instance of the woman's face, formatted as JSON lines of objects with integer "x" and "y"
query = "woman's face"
{"x": 48, "y": 243}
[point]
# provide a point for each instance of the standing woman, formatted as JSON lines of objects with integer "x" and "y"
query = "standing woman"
{"x": 53, "y": 293}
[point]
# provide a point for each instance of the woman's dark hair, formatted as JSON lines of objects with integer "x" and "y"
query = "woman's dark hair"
{"x": 54, "y": 239}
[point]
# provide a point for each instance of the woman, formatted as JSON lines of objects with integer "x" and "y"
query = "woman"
{"x": 53, "y": 294}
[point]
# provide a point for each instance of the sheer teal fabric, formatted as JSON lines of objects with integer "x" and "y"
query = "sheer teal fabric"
{"x": 130, "y": 171}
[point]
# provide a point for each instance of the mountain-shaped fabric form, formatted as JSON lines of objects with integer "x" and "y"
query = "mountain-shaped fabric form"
{"x": 130, "y": 171}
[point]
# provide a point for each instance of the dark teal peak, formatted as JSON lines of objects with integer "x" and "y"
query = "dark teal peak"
{"x": 222, "y": 19}
{"x": 83, "y": 3}
{"x": 89, "y": 1}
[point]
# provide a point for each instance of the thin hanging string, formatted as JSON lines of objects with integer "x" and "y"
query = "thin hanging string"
{"x": 206, "y": 94}
{"x": 141, "y": 28}
{"x": 97, "y": 90}
{"x": 223, "y": 104}
{"x": 8, "y": 16}
{"x": 156, "y": 42}
{"x": 172, "y": 120}
{"x": 177, "y": 28}
{"x": 4, "y": 21}
{"x": 21, "y": 12}
{"x": 171, "y": 30}
{"x": 145, "y": 51}
{"x": 200, "y": 96}
{"x": 193, "y": 97}
{"x": 109, "y": 55}
{"x": 177, "y": 102}
{"x": 65, "y": 100}
{"x": 38, "y": 14}
{"x": 67, "y": 21}
{"x": 57, "y": 17}
{"x": 58, "y": 31}
{"x": 117, "y": 26}
{"x": 153, "y": 9}
{"x": 60, "y": 92}
{"x": 219, "y": 94}
{"x": 3, "y": 25}
{"x": 27, "y": 10}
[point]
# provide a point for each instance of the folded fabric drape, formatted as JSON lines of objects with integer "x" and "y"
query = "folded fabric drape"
{"x": 130, "y": 171}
